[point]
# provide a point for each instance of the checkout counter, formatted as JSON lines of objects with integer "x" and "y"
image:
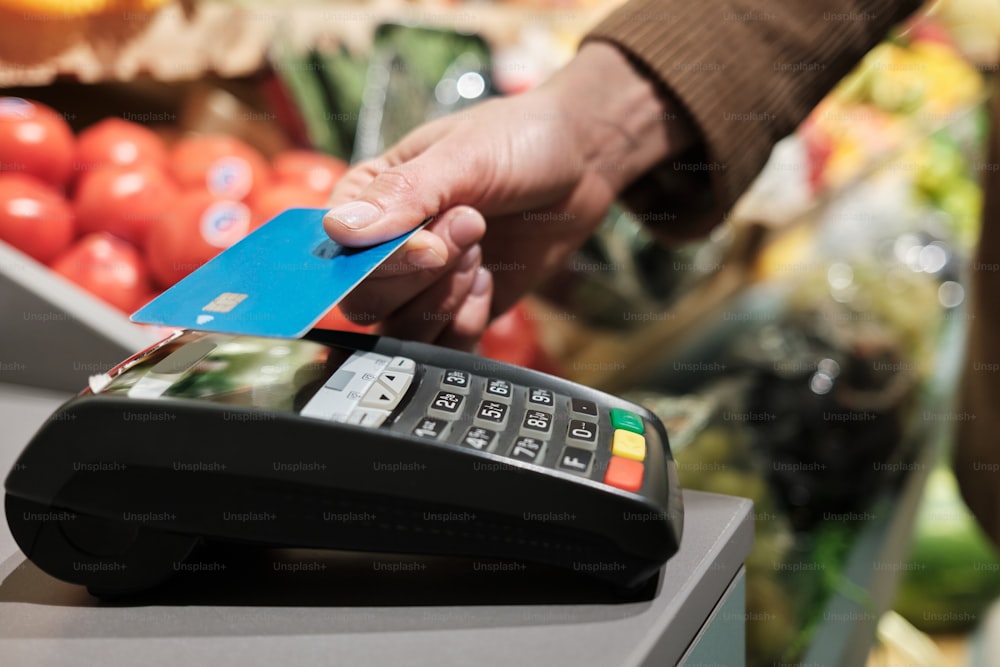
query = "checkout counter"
{"x": 300, "y": 607}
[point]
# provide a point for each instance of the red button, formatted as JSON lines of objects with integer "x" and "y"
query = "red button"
{"x": 624, "y": 474}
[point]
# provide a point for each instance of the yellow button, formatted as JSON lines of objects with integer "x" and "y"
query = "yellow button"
{"x": 628, "y": 444}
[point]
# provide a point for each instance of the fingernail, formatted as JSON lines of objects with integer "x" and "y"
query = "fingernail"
{"x": 355, "y": 215}
{"x": 425, "y": 258}
{"x": 481, "y": 284}
{"x": 467, "y": 228}
{"x": 470, "y": 258}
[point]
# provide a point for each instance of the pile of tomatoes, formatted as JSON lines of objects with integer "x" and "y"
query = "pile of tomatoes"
{"x": 122, "y": 214}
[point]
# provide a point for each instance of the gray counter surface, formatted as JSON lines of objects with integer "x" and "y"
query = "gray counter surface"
{"x": 301, "y": 607}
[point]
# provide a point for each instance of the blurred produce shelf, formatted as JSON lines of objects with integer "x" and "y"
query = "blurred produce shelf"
{"x": 185, "y": 40}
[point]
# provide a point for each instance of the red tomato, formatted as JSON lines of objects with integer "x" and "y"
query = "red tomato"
{"x": 35, "y": 140}
{"x": 929, "y": 29}
{"x": 126, "y": 201}
{"x": 281, "y": 197}
{"x": 317, "y": 171}
{"x": 107, "y": 267}
{"x": 114, "y": 141}
{"x": 223, "y": 166}
{"x": 34, "y": 217}
{"x": 335, "y": 319}
{"x": 196, "y": 228}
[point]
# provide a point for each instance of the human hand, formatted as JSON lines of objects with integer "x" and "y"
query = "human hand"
{"x": 516, "y": 185}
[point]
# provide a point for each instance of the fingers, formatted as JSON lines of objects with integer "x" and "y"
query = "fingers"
{"x": 439, "y": 307}
{"x": 382, "y": 199}
{"x": 423, "y": 260}
{"x": 433, "y": 247}
{"x": 357, "y": 178}
{"x": 472, "y": 316}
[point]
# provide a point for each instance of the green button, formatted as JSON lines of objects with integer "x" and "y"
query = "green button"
{"x": 627, "y": 421}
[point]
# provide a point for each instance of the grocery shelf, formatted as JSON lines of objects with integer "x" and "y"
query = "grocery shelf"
{"x": 183, "y": 41}
{"x": 875, "y": 564}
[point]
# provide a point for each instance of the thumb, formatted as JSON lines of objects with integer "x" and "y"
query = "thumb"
{"x": 398, "y": 198}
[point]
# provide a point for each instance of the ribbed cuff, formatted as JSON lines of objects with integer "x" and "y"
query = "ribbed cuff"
{"x": 747, "y": 73}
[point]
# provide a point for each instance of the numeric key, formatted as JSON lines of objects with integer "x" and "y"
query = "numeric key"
{"x": 446, "y": 404}
{"x": 527, "y": 449}
{"x": 537, "y": 423}
{"x": 498, "y": 390}
{"x": 431, "y": 427}
{"x": 479, "y": 438}
{"x": 491, "y": 414}
{"x": 457, "y": 381}
{"x": 541, "y": 399}
{"x": 582, "y": 433}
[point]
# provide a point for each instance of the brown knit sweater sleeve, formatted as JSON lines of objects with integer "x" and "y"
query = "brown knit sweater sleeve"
{"x": 747, "y": 72}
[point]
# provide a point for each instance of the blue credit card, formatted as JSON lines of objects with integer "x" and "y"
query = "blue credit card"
{"x": 278, "y": 281}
